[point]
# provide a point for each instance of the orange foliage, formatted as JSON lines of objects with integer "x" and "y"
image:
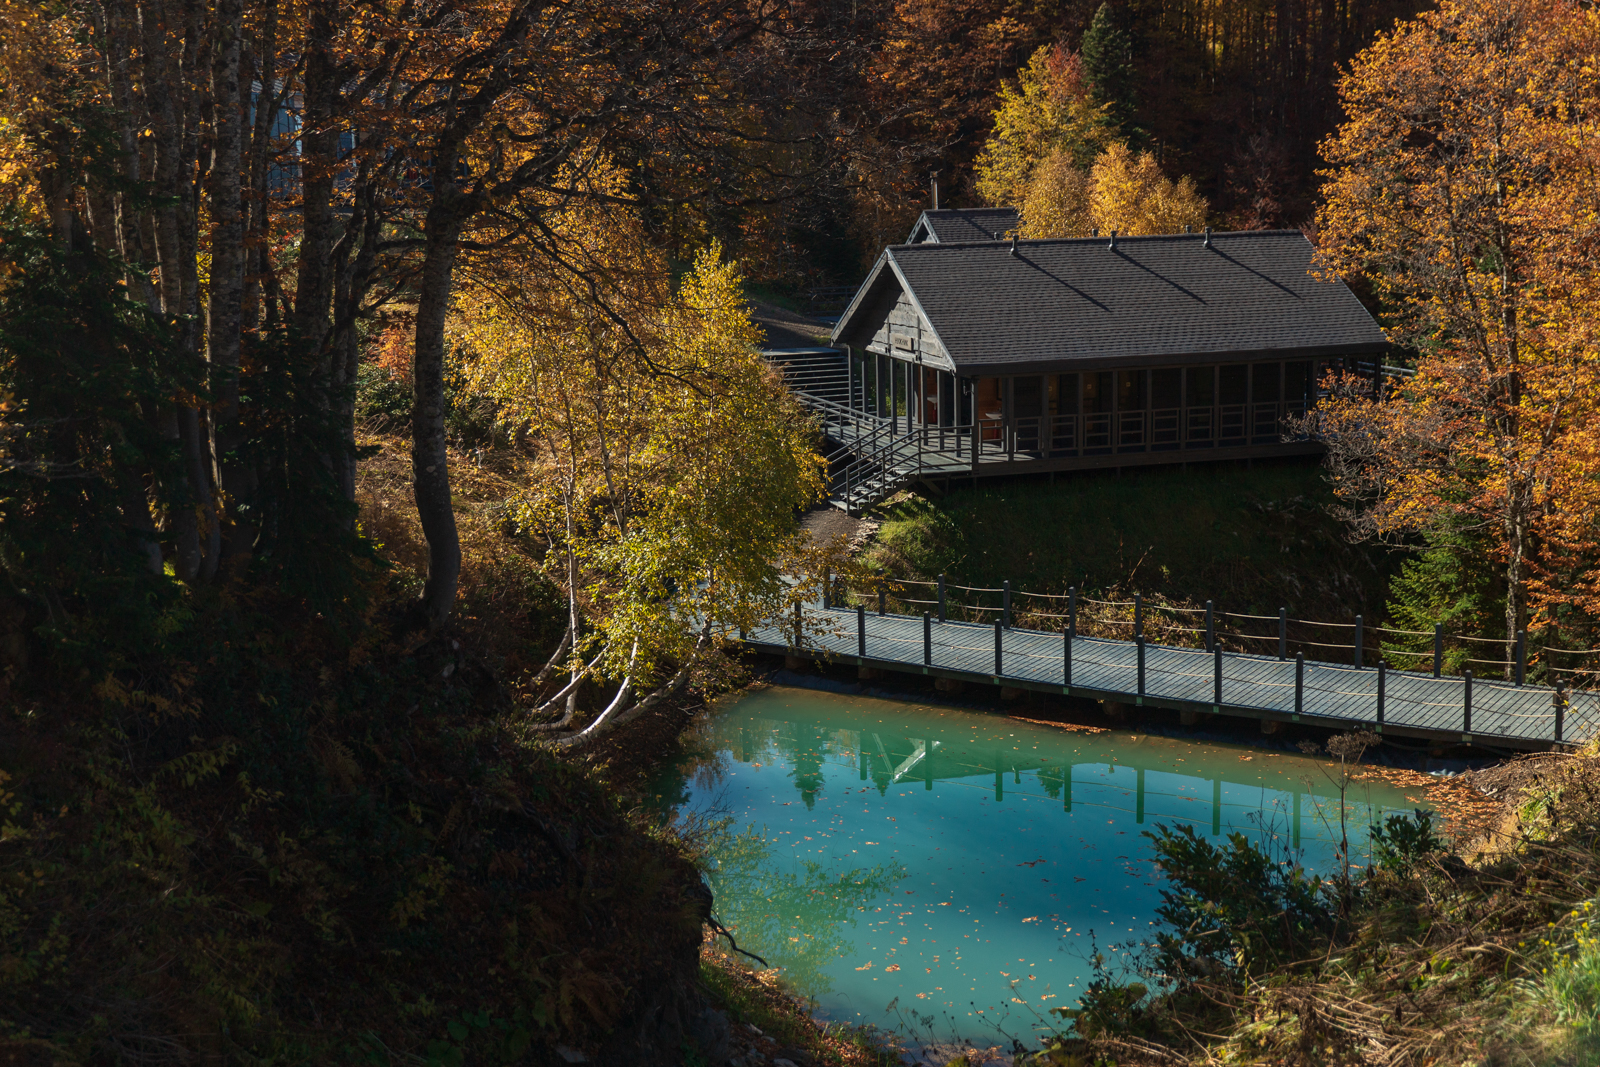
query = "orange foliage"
{"x": 1464, "y": 191}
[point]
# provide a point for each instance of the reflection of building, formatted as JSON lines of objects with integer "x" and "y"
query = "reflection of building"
{"x": 888, "y": 760}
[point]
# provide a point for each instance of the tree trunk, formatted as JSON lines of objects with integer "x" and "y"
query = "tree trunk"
{"x": 314, "y": 288}
{"x": 430, "y": 469}
{"x": 163, "y": 93}
{"x": 227, "y": 254}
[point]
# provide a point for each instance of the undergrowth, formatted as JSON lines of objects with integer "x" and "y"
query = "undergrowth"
{"x": 1480, "y": 952}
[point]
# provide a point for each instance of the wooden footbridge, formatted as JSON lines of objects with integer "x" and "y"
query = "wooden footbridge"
{"x": 1193, "y": 682}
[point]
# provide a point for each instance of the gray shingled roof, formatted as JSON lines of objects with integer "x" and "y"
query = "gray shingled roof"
{"x": 953, "y": 225}
{"x": 1153, "y": 300}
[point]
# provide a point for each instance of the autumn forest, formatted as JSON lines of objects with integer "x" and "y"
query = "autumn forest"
{"x": 387, "y": 456}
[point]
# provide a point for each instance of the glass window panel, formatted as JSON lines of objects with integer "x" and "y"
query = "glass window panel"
{"x": 1026, "y": 397}
{"x": 1266, "y": 382}
{"x": 1233, "y": 384}
{"x": 1165, "y": 388}
{"x": 1130, "y": 390}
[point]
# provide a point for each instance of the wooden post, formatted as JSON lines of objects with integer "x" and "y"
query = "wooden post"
{"x": 827, "y": 588}
{"x": 1072, "y": 611}
{"x": 1066, "y": 658}
{"x": 1438, "y": 649}
{"x": 1211, "y": 627}
{"x": 997, "y": 671}
{"x": 1283, "y": 633}
{"x": 941, "y": 598}
{"x": 1139, "y": 645}
{"x": 861, "y": 630}
{"x": 1522, "y": 655}
{"x": 1360, "y": 639}
{"x": 1216, "y": 677}
{"x": 883, "y": 599}
{"x": 1383, "y": 675}
{"x": 927, "y": 640}
{"x": 1559, "y": 699}
{"x": 1138, "y": 616}
{"x": 1466, "y": 701}
{"x": 1005, "y": 605}
{"x": 1299, "y": 681}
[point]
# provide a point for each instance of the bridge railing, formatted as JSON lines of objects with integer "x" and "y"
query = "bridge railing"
{"x": 1206, "y": 628}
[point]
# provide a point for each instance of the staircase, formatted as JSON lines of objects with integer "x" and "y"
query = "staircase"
{"x": 870, "y": 461}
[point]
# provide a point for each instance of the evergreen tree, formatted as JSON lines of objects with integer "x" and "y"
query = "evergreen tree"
{"x": 1107, "y": 51}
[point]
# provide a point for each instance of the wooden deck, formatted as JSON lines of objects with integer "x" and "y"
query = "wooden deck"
{"x": 1494, "y": 712}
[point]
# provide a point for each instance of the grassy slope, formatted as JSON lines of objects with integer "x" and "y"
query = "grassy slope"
{"x": 1250, "y": 539}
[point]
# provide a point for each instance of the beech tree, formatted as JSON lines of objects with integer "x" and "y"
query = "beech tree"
{"x": 1462, "y": 190}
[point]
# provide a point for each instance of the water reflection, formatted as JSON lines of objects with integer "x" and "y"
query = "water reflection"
{"x": 882, "y": 852}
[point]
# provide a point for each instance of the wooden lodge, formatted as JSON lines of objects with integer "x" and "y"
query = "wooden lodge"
{"x": 971, "y": 357}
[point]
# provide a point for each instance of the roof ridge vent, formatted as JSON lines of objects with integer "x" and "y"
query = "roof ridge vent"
{"x": 1208, "y": 237}
{"x": 1013, "y": 242}
{"x": 1113, "y": 244}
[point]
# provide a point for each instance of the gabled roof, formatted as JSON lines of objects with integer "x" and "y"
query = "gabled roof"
{"x": 951, "y": 225}
{"x": 1151, "y": 300}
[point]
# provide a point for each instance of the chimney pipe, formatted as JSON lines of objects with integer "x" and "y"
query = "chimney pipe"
{"x": 1113, "y": 244}
{"x": 1013, "y": 242}
{"x": 1208, "y": 237}
{"x": 936, "y": 193}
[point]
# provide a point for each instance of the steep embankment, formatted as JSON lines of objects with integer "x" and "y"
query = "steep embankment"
{"x": 1252, "y": 540}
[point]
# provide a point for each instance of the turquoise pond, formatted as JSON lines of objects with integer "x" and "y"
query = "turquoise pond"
{"x": 942, "y": 869}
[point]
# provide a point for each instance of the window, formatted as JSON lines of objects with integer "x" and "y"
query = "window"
{"x": 1130, "y": 390}
{"x": 1266, "y": 382}
{"x": 1165, "y": 389}
{"x": 1202, "y": 386}
{"x": 1233, "y": 384}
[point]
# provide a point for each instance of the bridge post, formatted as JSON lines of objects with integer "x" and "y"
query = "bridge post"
{"x": 1299, "y": 681}
{"x": 1522, "y": 655}
{"x": 1283, "y": 633}
{"x": 1383, "y": 675}
{"x": 1072, "y": 611}
{"x": 883, "y": 598}
{"x": 927, "y": 639}
{"x": 861, "y": 630}
{"x": 997, "y": 672}
{"x": 1139, "y": 646}
{"x": 1438, "y": 649}
{"x": 1005, "y": 605}
{"x": 1066, "y": 658}
{"x": 797, "y": 624}
{"x": 1211, "y": 626}
{"x": 1138, "y": 616}
{"x": 1466, "y": 701}
{"x": 1559, "y": 699}
{"x": 941, "y": 598}
{"x": 1216, "y": 676}
{"x": 1360, "y": 640}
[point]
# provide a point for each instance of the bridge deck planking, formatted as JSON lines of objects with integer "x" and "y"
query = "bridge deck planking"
{"x": 1252, "y": 683}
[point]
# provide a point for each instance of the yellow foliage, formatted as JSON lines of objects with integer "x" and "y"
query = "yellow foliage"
{"x": 1121, "y": 192}
{"x": 669, "y": 461}
{"x": 1132, "y": 196}
{"x": 1046, "y": 112}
